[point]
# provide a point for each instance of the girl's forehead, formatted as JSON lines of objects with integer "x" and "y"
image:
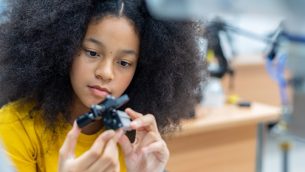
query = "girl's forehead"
{"x": 109, "y": 18}
{"x": 113, "y": 32}
{"x": 112, "y": 24}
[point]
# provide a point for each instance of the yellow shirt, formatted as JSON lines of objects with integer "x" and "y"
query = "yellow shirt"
{"x": 30, "y": 147}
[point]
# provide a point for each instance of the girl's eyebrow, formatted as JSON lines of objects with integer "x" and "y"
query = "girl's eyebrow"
{"x": 95, "y": 41}
{"x": 99, "y": 43}
{"x": 129, "y": 52}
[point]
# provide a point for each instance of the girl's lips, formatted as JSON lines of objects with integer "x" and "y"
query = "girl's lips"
{"x": 98, "y": 91}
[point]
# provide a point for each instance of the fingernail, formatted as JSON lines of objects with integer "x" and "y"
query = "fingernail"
{"x": 119, "y": 134}
{"x": 127, "y": 109}
{"x": 108, "y": 134}
{"x": 120, "y": 131}
{"x": 75, "y": 126}
{"x": 136, "y": 123}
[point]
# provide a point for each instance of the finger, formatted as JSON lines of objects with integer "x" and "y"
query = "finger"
{"x": 125, "y": 144}
{"x": 109, "y": 159}
{"x": 118, "y": 134}
{"x": 111, "y": 169}
{"x": 107, "y": 162}
{"x": 94, "y": 153}
{"x": 159, "y": 149}
{"x": 133, "y": 114}
{"x": 111, "y": 152}
{"x": 139, "y": 120}
{"x": 149, "y": 138}
{"x": 67, "y": 149}
{"x": 108, "y": 168}
{"x": 147, "y": 122}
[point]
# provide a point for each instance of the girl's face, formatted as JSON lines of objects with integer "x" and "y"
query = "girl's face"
{"x": 107, "y": 61}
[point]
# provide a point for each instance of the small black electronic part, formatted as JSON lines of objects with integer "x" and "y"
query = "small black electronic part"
{"x": 116, "y": 119}
{"x": 244, "y": 104}
{"x": 108, "y": 113}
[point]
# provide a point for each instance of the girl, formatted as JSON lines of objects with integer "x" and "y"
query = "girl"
{"x": 59, "y": 57}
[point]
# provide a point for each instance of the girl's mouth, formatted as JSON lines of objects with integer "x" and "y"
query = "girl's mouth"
{"x": 99, "y": 91}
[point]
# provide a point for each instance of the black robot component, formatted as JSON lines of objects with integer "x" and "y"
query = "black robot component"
{"x": 108, "y": 113}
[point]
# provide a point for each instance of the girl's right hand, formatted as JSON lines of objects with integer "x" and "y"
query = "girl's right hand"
{"x": 102, "y": 156}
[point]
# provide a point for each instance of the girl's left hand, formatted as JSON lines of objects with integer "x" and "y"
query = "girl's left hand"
{"x": 149, "y": 152}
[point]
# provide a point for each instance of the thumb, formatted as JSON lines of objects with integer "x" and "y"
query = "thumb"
{"x": 126, "y": 145}
{"x": 67, "y": 149}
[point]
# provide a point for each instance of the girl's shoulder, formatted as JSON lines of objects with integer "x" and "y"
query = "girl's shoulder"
{"x": 20, "y": 135}
{"x": 15, "y": 111}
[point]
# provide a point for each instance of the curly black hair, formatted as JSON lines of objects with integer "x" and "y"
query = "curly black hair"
{"x": 38, "y": 40}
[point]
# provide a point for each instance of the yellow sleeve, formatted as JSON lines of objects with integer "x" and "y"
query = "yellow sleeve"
{"x": 15, "y": 137}
{"x": 122, "y": 160}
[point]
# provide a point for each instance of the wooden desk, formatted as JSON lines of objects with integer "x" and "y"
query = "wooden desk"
{"x": 219, "y": 140}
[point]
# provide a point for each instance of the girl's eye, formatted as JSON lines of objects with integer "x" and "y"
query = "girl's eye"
{"x": 124, "y": 63}
{"x": 91, "y": 53}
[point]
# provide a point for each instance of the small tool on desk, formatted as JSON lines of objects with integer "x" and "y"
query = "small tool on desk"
{"x": 236, "y": 100}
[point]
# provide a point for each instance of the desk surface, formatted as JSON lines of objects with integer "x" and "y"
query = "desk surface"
{"x": 227, "y": 116}
{"x": 219, "y": 139}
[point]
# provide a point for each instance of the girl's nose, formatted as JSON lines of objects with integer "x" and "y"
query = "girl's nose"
{"x": 104, "y": 70}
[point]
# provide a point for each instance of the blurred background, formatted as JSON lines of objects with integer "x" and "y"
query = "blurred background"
{"x": 256, "y": 55}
